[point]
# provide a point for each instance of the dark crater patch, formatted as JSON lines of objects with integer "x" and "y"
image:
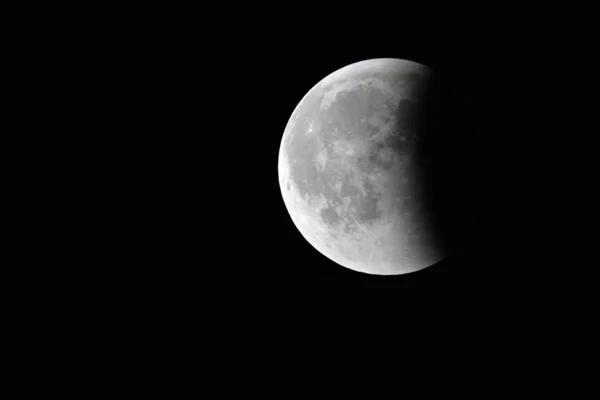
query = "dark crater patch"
{"x": 401, "y": 140}
{"x": 381, "y": 157}
{"x": 350, "y": 113}
{"x": 366, "y": 165}
{"x": 330, "y": 216}
{"x": 350, "y": 228}
{"x": 348, "y": 189}
{"x": 365, "y": 207}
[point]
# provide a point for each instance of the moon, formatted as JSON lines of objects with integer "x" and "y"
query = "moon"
{"x": 348, "y": 173}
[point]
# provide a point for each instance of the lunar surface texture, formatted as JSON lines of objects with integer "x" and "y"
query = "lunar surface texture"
{"x": 347, "y": 168}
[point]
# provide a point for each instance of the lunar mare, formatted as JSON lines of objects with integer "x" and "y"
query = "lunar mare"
{"x": 347, "y": 169}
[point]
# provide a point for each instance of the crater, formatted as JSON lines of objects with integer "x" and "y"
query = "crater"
{"x": 366, "y": 206}
{"x": 330, "y": 216}
{"x": 382, "y": 158}
{"x": 365, "y": 165}
{"x": 349, "y": 228}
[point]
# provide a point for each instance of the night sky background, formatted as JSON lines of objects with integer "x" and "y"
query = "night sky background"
{"x": 286, "y": 258}
{"x": 196, "y": 250}
{"x": 507, "y": 180}
{"x": 497, "y": 163}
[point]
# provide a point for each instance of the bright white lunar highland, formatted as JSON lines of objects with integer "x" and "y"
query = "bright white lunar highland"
{"x": 347, "y": 168}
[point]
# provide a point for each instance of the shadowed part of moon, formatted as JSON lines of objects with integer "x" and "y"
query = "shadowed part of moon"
{"x": 456, "y": 162}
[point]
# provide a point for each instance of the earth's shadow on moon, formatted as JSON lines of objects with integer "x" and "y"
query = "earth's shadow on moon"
{"x": 456, "y": 164}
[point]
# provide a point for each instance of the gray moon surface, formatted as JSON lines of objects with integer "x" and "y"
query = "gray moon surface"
{"x": 347, "y": 169}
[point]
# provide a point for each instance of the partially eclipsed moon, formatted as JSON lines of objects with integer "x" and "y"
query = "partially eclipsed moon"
{"x": 347, "y": 168}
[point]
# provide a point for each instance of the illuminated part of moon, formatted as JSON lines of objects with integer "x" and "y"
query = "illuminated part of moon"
{"x": 347, "y": 169}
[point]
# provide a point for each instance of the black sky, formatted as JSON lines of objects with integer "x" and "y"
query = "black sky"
{"x": 505, "y": 85}
{"x": 237, "y": 91}
{"x": 286, "y": 73}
